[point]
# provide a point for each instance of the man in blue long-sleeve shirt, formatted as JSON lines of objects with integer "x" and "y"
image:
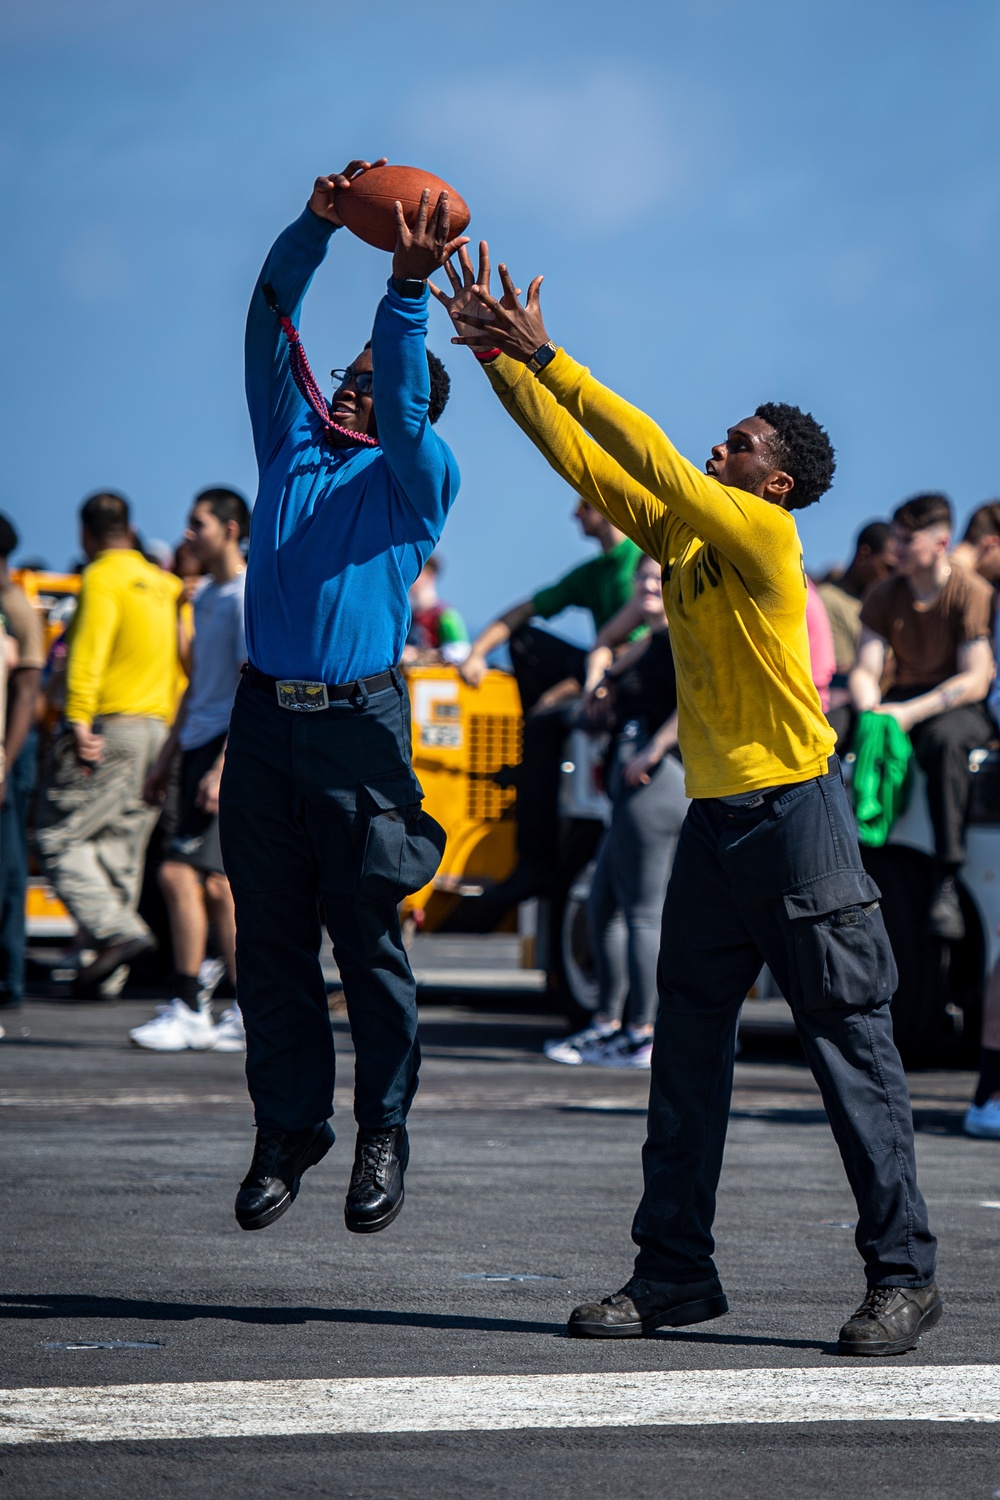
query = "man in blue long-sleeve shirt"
{"x": 319, "y": 805}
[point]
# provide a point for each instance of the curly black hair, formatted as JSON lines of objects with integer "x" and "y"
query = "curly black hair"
{"x": 802, "y": 448}
{"x": 440, "y": 386}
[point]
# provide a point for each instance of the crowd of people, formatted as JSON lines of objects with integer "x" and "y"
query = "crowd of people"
{"x": 905, "y": 628}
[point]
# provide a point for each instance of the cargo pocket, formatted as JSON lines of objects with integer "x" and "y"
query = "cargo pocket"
{"x": 839, "y": 953}
{"x": 403, "y": 845}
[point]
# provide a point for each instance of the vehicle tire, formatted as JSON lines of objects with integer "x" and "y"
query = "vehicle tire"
{"x": 576, "y": 959}
{"x": 936, "y": 1005}
{"x": 571, "y": 982}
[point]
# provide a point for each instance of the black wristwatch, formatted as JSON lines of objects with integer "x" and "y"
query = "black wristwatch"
{"x": 411, "y": 287}
{"x": 542, "y": 357}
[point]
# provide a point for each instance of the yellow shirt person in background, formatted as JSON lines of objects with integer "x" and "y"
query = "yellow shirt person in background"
{"x": 768, "y": 868}
{"x": 93, "y": 825}
{"x": 123, "y": 640}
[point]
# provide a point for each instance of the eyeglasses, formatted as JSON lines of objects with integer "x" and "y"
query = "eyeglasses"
{"x": 360, "y": 379}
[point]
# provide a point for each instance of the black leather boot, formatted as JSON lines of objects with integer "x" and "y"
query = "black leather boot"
{"x": 643, "y": 1306}
{"x": 272, "y": 1183}
{"x": 890, "y": 1320}
{"x": 376, "y": 1192}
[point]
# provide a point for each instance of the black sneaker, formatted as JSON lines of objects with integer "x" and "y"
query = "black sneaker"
{"x": 890, "y": 1320}
{"x": 279, "y": 1158}
{"x": 112, "y": 956}
{"x": 643, "y": 1306}
{"x": 944, "y": 915}
{"x": 376, "y": 1192}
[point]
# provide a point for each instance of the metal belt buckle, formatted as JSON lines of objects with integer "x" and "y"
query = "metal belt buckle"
{"x": 302, "y": 697}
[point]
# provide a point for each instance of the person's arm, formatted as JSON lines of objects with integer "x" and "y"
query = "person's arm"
{"x": 95, "y": 626}
{"x": 562, "y": 442}
{"x": 864, "y": 681}
{"x": 970, "y": 684}
{"x": 421, "y": 464}
{"x": 208, "y": 787}
{"x": 272, "y": 396}
{"x": 614, "y": 633}
{"x": 754, "y": 534}
{"x": 22, "y": 696}
{"x": 154, "y": 789}
{"x": 499, "y": 631}
{"x": 638, "y": 769}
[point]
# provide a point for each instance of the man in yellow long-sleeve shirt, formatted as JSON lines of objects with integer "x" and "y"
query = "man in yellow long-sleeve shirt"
{"x": 93, "y": 825}
{"x": 768, "y": 867}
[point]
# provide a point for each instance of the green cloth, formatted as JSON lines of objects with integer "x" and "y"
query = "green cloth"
{"x": 881, "y": 785}
{"x": 602, "y": 585}
{"x": 451, "y": 627}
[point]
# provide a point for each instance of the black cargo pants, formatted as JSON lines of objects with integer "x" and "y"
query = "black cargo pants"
{"x": 323, "y": 808}
{"x": 781, "y": 882}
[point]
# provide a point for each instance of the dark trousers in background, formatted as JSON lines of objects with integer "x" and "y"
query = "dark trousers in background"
{"x": 14, "y": 871}
{"x": 540, "y": 660}
{"x": 941, "y": 746}
{"x": 781, "y": 883}
{"x": 300, "y": 807}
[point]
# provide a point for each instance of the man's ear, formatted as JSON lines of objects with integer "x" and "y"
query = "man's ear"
{"x": 777, "y": 487}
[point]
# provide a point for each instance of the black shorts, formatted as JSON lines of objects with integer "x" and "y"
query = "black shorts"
{"x": 196, "y": 841}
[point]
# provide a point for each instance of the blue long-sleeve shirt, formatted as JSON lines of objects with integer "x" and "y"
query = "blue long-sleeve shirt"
{"x": 338, "y": 534}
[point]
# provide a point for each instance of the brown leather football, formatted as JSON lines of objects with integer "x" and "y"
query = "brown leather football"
{"x": 366, "y": 207}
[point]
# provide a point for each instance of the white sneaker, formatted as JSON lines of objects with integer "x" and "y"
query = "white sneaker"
{"x": 229, "y": 1034}
{"x": 175, "y": 1028}
{"x": 624, "y": 1052}
{"x": 209, "y": 976}
{"x": 983, "y": 1120}
{"x": 576, "y": 1049}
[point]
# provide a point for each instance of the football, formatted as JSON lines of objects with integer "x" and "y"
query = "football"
{"x": 366, "y": 207}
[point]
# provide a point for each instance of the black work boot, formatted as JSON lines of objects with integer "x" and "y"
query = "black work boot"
{"x": 890, "y": 1320}
{"x": 272, "y": 1183}
{"x": 643, "y": 1306}
{"x": 944, "y": 915}
{"x": 376, "y": 1192}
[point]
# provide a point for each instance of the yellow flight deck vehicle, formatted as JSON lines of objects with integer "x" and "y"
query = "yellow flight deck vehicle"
{"x": 462, "y": 737}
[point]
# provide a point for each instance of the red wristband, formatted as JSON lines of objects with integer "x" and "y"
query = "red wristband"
{"x": 484, "y": 356}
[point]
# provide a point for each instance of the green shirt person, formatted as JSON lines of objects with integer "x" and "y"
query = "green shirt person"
{"x": 601, "y": 586}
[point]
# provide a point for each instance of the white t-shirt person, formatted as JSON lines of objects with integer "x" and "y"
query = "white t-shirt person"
{"x": 219, "y": 651}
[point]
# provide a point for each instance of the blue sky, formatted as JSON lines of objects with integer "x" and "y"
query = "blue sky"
{"x": 730, "y": 203}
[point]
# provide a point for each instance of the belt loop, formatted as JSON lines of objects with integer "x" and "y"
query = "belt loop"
{"x": 360, "y": 695}
{"x": 397, "y": 680}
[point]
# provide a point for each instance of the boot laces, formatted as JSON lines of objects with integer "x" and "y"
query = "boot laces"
{"x": 374, "y": 1155}
{"x": 266, "y": 1151}
{"x": 877, "y": 1301}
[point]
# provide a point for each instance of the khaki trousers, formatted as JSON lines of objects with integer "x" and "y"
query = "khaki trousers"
{"x": 93, "y": 826}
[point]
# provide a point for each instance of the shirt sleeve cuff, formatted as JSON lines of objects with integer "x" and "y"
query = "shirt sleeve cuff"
{"x": 562, "y": 374}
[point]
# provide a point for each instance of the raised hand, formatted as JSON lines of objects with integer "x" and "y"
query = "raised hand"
{"x": 514, "y": 328}
{"x": 465, "y": 299}
{"x": 321, "y": 201}
{"x": 421, "y": 250}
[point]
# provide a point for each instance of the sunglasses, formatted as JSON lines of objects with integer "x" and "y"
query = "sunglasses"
{"x": 360, "y": 379}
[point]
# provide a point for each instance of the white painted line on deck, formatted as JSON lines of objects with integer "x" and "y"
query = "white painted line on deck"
{"x": 465, "y": 1403}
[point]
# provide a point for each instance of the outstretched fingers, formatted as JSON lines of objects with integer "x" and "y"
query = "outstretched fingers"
{"x": 484, "y": 265}
{"x": 402, "y": 229}
{"x": 420, "y": 225}
{"x": 532, "y": 298}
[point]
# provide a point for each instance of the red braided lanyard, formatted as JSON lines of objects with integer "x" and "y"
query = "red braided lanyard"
{"x": 304, "y": 377}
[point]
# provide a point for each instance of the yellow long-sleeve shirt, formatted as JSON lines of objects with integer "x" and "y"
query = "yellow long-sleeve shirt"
{"x": 123, "y": 640}
{"x": 734, "y": 582}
